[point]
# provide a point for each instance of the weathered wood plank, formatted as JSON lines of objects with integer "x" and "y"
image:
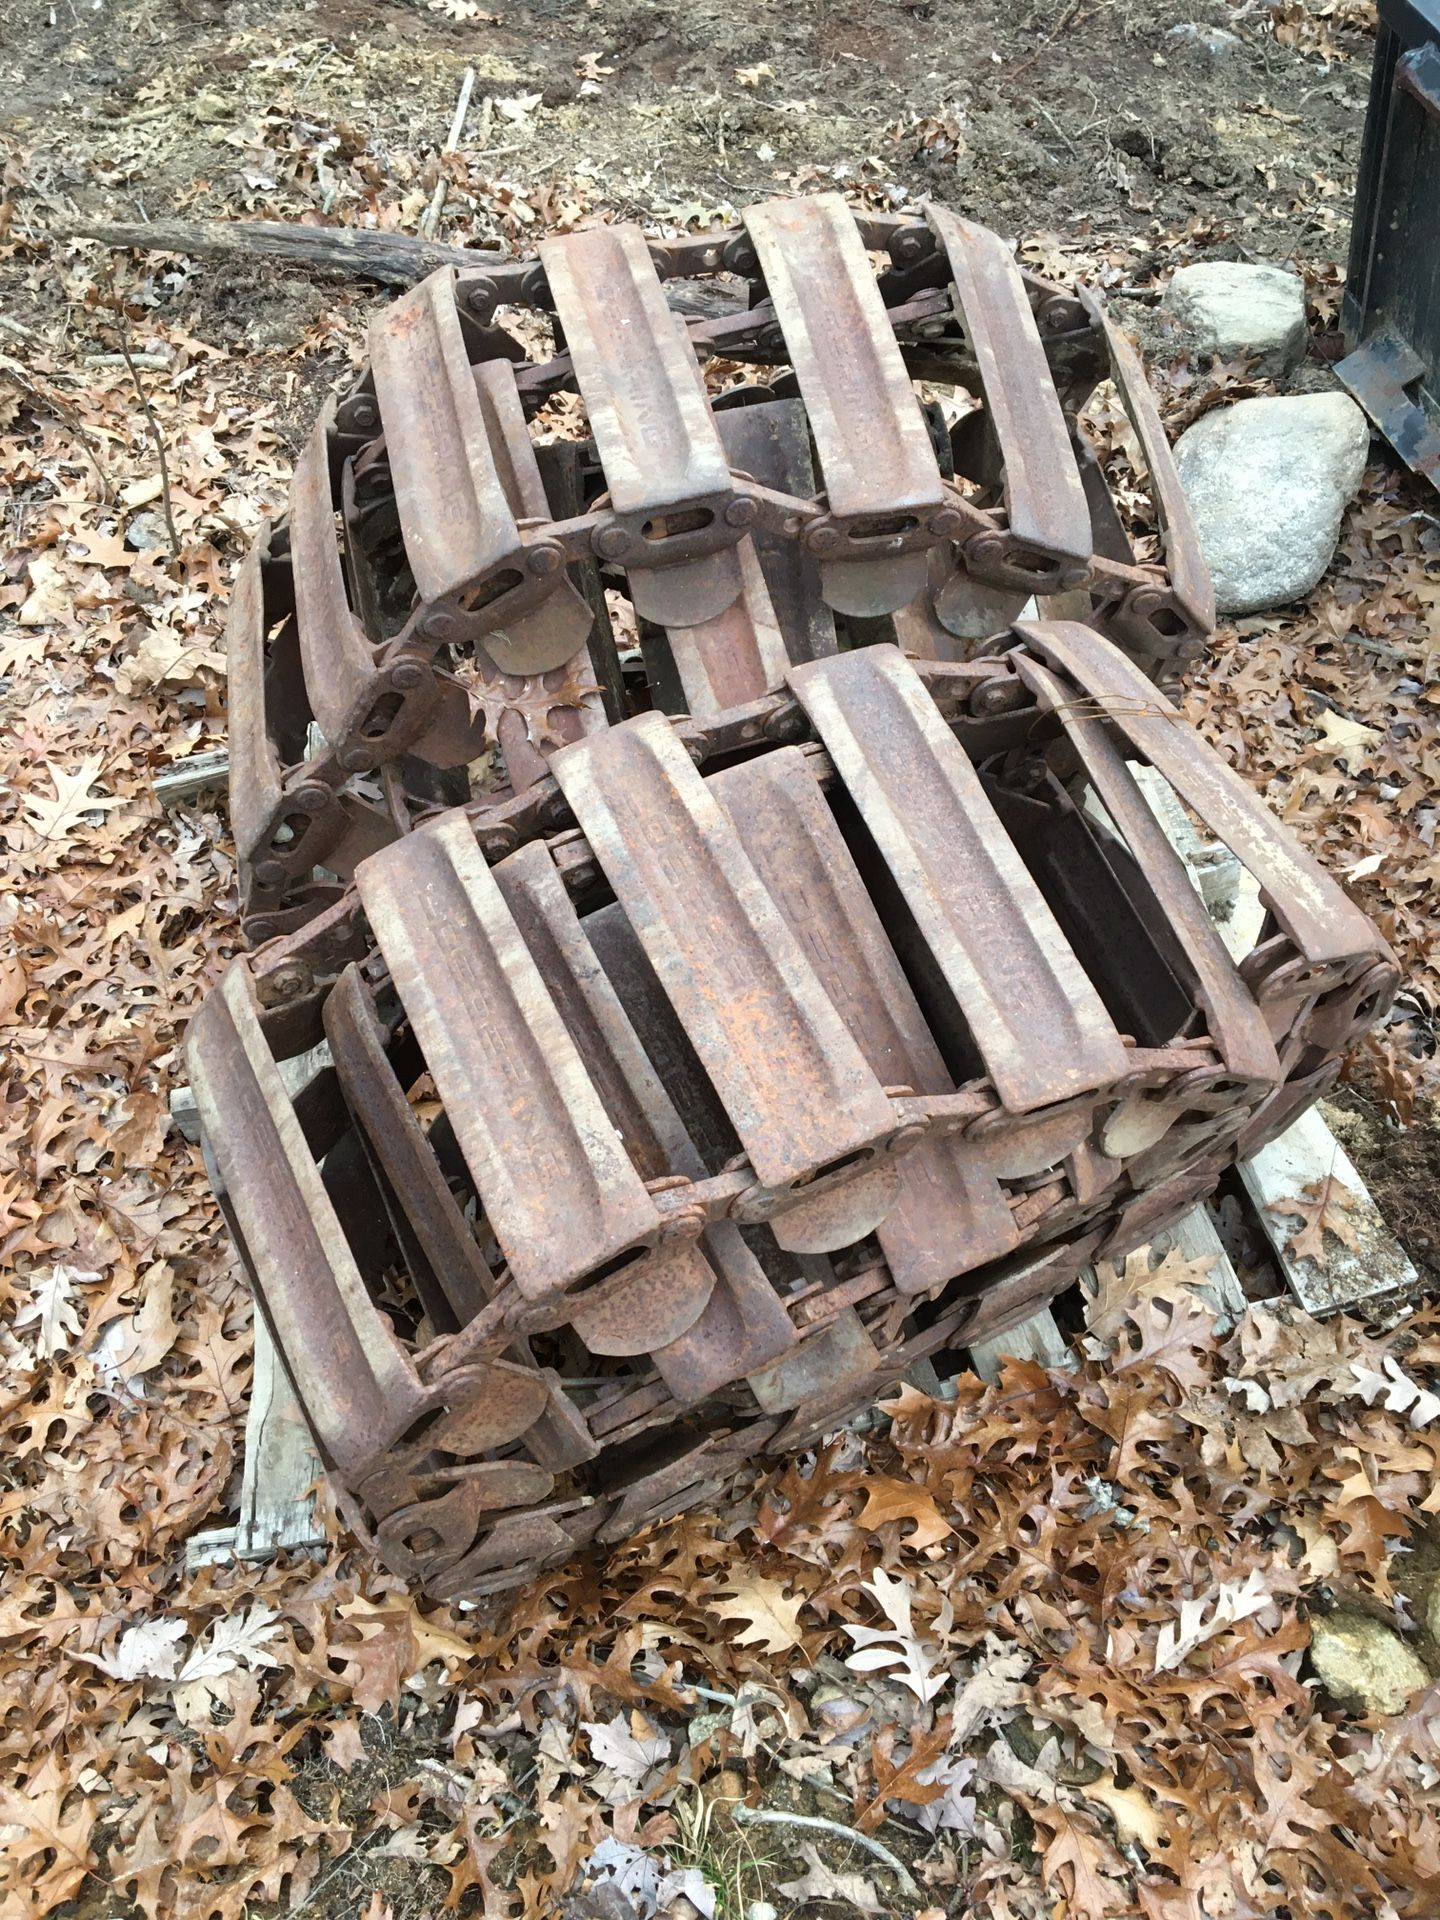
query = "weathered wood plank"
{"x": 1306, "y": 1153}
{"x": 280, "y": 1467}
{"x": 277, "y": 1501}
{"x": 201, "y": 773}
{"x": 1195, "y": 1238}
{"x": 1037, "y": 1338}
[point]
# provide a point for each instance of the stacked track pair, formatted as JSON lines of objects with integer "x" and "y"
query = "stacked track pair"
{"x": 677, "y": 1104}
{"x": 489, "y": 554}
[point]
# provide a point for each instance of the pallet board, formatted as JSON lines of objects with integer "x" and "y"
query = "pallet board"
{"x": 1037, "y": 1339}
{"x": 1307, "y": 1154}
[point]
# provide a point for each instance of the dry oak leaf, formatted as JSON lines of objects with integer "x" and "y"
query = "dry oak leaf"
{"x": 165, "y": 655}
{"x": 1081, "y": 1866}
{"x": 1396, "y": 1391}
{"x": 920, "y": 1662}
{"x": 1324, "y": 1207}
{"x": 55, "y": 819}
{"x": 51, "y": 1308}
{"x": 1121, "y": 1290}
{"x": 852, "y": 1892}
{"x": 889, "y": 1499}
{"x": 1235, "y": 1600}
{"x": 49, "y": 1855}
{"x": 773, "y": 1615}
{"x": 1137, "y": 1819}
{"x": 147, "y": 1651}
{"x": 1341, "y": 735}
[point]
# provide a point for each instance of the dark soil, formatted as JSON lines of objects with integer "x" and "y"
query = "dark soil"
{"x": 1401, "y": 1169}
{"x": 1100, "y": 116}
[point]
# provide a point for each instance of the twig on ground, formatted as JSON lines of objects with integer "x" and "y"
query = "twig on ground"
{"x": 758, "y": 1816}
{"x": 152, "y": 362}
{"x": 122, "y": 320}
{"x": 64, "y": 412}
{"x": 1054, "y": 34}
{"x": 429, "y": 220}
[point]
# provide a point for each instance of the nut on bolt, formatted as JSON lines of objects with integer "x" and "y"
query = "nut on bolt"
{"x": 288, "y": 982}
{"x": 911, "y": 244}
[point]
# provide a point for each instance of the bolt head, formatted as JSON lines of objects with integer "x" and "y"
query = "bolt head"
{"x": 270, "y": 873}
{"x": 436, "y": 626}
{"x": 985, "y": 550}
{"x": 947, "y": 523}
{"x": 312, "y": 797}
{"x": 824, "y": 540}
{"x": 407, "y": 674}
{"x": 611, "y": 542}
{"x": 288, "y": 982}
{"x": 544, "y": 559}
{"x": 740, "y": 513}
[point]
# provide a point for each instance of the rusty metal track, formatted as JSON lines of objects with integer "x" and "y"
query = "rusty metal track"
{"x": 1045, "y": 501}
{"x": 449, "y": 573}
{"x": 995, "y": 947}
{"x": 726, "y": 1011}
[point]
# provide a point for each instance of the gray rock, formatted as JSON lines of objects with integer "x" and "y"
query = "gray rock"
{"x": 1268, "y": 482}
{"x": 1212, "y": 43}
{"x": 1362, "y": 1664}
{"x": 147, "y": 533}
{"x": 1226, "y": 307}
{"x": 1432, "y": 1613}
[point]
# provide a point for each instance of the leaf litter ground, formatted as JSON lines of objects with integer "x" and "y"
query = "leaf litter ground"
{"x": 1044, "y": 1641}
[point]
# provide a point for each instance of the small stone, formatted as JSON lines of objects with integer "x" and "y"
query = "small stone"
{"x": 1212, "y": 43}
{"x": 727, "y": 1786}
{"x": 761, "y": 1910}
{"x": 1363, "y": 1665}
{"x": 147, "y": 533}
{"x": 1268, "y": 482}
{"x": 1229, "y": 308}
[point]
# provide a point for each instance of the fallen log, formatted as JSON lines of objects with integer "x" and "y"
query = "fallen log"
{"x": 395, "y": 259}
{"x": 359, "y": 253}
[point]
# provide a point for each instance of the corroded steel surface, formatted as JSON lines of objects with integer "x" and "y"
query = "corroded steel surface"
{"x": 703, "y": 1095}
{"x": 492, "y": 550}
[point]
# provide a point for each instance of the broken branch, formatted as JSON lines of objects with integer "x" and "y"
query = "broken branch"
{"x": 762, "y": 1816}
{"x": 430, "y": 219}
{"x": 394, "y": 259}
